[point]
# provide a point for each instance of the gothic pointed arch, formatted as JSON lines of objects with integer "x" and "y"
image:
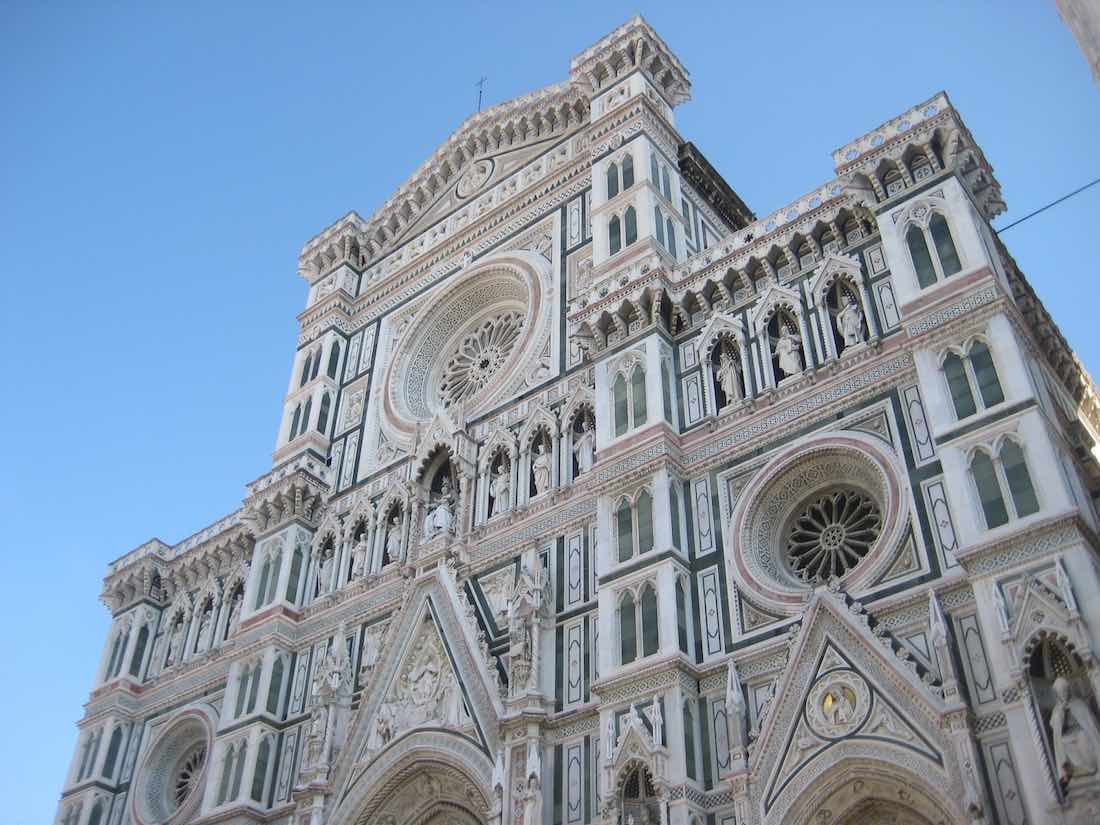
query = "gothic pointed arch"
{"x": 539, "y": 417}
{"x": 835, "y": 266}
{"x": 775, "y": 297}
{"x": 635, "y": 754}
{"x": 581, "y": 397}
{"x": 718, "y": 325}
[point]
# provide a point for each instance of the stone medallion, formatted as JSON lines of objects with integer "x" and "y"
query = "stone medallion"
{"x": 838, "y": 704}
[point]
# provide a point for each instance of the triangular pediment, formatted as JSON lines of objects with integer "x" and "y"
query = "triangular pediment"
{"x": 431, "y": 676}
{"x": 845, "y": 693}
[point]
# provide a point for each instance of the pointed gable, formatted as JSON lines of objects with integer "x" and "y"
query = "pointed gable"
{"x": 431, "y": 677}
{"x": 847, "y": 695}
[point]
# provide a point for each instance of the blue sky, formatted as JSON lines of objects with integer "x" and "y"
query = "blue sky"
{"x": 162, "y": 164}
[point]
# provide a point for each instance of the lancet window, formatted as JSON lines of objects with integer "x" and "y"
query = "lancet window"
{"x": 229, "y": 787}
{"x": 972, "y": 379}
{"x": 628, "y": 399}
{"x": 620, "y": 175}
{"x": 638, "y": 623}
{"x": 1003, "y": 483}
{"x": 634, "y": 526}
{"x": 932, "y": 249}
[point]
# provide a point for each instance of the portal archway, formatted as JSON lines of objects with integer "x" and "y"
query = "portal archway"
{"x": 870, "y": 792}
{"x": 426, "y": 777}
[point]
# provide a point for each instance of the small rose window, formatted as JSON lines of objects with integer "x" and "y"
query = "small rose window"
{"x": 831, "y": 534}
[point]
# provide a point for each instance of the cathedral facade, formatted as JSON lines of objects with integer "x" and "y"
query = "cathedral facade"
{"x": 597, "y": 498}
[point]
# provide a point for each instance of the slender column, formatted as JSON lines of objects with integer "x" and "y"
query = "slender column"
{"x": 826, "y": 322}
{"x": 746, "y": 376}
{"x": 513, "y": 492}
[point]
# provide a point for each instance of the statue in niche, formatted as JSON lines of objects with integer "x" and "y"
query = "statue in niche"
{"x": 204, "y": 627}
{"x": 359, "y": 559}
{"x": 500, "y": 488}
{"x": 658, "y": 722}
{"x": 532, "y": 801}
{"x": 849, "y": 322}
{"x": 324, "y": 573}
{"x": 1076, "y": 735}
{"x": 316, "y": 737}
{"x": 540, "y": 468}
{"x": 522, "y": 630}
{"x": 393, "y": 537}
{"x": 234, "y": 609}
{"x": 372, "y": 652}
{"x": 787, "y": 351}
{"x": 440, "y": 518}
{"x": 584, "y": 447}
{"x": 175, "y": 642}
{"x": 727, "y": 375}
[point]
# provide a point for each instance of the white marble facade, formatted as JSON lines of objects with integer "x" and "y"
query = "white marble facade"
{"x": 598, "y": 499}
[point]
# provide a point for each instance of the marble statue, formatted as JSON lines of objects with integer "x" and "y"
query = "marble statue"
{"x": 540, "y": 468}
{"x": 727, "y": 376}
{"x": 787, "y": 350}
{"x": 584, "y": 447}
{"x": 324, "y": 574}
{"x": 175, "y": 642}
{"x": 204, "y": 629}
{"x": 849, "y": 322}
{"x": 393, "y": 538}
{"x": 500, "y": 488}
{"x": 1076, "y": 734}
{"x": 440, "y": 518}
{"x": 532, "y": 801}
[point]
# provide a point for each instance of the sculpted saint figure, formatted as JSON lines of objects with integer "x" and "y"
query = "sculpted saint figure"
{"x": 540, "y": 468}
{"x": 393, "y": 538}
{"x": 324, "y": 575}
{"x": 584, "y": 447}
{"x": 204, "y": 628}
{"x": 174, "y": 642}
{"x": 532, "y": 802}
{"x": 849, "y": 322}
{"x": 234, "y": 611}
{"x": 786, "y": 348}
{"x": 1076, "y": 734}
{"x": 500, "y": 488}
{"x": 440, "y": 518}
{"x": 727, "y": 376}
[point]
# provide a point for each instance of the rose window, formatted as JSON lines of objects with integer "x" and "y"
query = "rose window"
{"x": 832, "y": 534}
{"x": 479, "y": 356}
{"x": 188, "y": 774}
